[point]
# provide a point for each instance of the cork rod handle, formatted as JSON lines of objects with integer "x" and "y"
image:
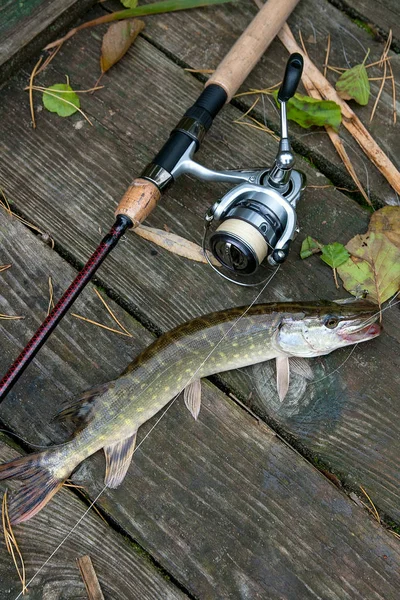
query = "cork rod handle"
{"x": 251, "y": 45}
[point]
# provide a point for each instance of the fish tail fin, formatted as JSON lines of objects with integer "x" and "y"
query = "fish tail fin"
{"x": 42, "y": 475}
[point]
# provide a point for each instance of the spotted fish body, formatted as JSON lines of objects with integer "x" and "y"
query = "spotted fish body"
{"x": 109, "y": 416}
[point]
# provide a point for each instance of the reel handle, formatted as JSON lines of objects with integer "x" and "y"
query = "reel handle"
{"x": 291, "y": 79}
{"x": 251, "y": 45}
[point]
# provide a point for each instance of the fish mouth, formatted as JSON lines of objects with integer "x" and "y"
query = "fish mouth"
{"x": 366, "y": 332}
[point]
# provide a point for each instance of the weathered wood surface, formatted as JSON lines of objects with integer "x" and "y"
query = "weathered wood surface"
{"x": 124, "y": 573}
{"x": 221, "y": 503}
{"x": 215, "y": 30}
{"x": 381, "y": 15}
{"x": 66, "y": 170}
{"x": 26, "y": 26}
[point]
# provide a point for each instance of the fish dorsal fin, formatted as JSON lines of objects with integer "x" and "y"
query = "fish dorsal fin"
{"x": 282, "y": 376}
{"x": 192, "y": 397}
{"x": 301, "y": 367}
{"x": 118, "y": 459}
{"x": 81, "y": 411}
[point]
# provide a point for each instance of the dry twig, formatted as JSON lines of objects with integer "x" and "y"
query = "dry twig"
{"x": 383, "y": 63}
{"x": 4, "y": 268}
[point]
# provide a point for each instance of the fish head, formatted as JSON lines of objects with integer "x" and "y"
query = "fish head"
{"x": 320, "y": 329}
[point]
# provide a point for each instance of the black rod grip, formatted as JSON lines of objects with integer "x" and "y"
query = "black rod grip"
{"x": 291, "y": 79}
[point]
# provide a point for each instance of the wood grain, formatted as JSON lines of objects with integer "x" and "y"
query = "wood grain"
{"x": 380, "y": 15}
{"x": 89, "y": 169}
{"x": 215, "y": 30}
{"x": 25, "y": 27}
{"x": 221, "y": 503}
{"x": 123, "y": 571}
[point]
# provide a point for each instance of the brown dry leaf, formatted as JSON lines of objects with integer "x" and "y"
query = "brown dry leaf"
{"x": 374, "y": 265}
{"x": 117, "y": 41}
{"x": 387, "y": 221}
{"x": 174, "y": 243}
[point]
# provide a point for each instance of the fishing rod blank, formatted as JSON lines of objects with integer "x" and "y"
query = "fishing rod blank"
{"x": 144, "y": 193}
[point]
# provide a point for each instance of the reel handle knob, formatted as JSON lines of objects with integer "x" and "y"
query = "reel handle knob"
{"x": 291, "y": 79}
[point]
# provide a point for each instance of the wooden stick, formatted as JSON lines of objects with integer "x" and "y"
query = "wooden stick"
{"x": 349, "y": 118}
{"x": 251, "y": 45}
{"x": 89, "y": 577}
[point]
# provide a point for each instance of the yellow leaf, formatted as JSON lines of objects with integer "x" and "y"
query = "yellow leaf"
{"x": 374, "y": 265}
{"x": 387, "y": 221}
{"x": 117, "y": 41}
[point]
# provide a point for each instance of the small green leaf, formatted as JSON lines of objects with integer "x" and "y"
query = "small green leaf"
{"x": 130, "y": 3}
{"x": 334, "y": 254}
{"x": 353, "y": 84}
{"x": 61, "y": 99}
{"x": 310, "y": 246}
{"x": 306, "y": 111}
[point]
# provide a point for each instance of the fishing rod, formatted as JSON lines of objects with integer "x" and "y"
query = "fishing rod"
{"x": 256, "y": 219}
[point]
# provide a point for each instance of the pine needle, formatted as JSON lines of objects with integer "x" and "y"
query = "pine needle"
{"x": 51, "y": 297}
{"x": 393, "y": 93}
{"x": 12, "y": 544}
{"x": 328, "y": 51}
{"x": 268, "y": 91}
{"x": 112, "y": 314}
{"x": 372, "y": 509}
{"x": 100, "y": 325}
{"x": 382, "y": 62}
{"x": 40, "y": 89}
{"x": 4, "y": 268}
{"x": 10, "y": 317}
{"x": 6, "y": 206}
{"x": 31, "y": 78}
{"x": 302, "y": 43}
{"x": 205, "y": 71}
{"x": 248, "y": 110}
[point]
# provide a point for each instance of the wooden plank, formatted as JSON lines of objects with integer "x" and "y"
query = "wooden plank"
{"x": 381, "y": 15}
{"x": 123, "y": 571}
{"x": 215, "y": 30}
{"x": 89, "y": 169}
{"x": 220, "y": 502}
{"x": 25, "y": 27}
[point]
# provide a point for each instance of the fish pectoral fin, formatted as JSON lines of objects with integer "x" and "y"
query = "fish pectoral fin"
{"x": 192, "y": 397}
{"x": 81, "y": 412}
{"x": 282, "y": 376}
{"x": 301, "y": 367}
{"x": 118, "y": 459}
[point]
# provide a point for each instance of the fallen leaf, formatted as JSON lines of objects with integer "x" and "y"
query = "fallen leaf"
{"x": 306, "y": 111}
{"x": 310, "y": 246}
{"x": 387, "y": 221}
{"x": 334, "y": 254}
{"x": 353, "y": 84}
{"x": 117, "y": 41}
{"x": 173, "y": 243}
{"x": 61, "y": 99}
{"x": 374, "y": 265}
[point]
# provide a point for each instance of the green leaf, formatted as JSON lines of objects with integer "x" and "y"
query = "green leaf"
{"x": 306, "y": 111}
{"x": 353, "y": 84}
{"x": 156, "y": 8}
{"x": 130, "y": 3}
{"x": 310, "y": 246}
{"x": 334, "y": 254}
{"x": 374, "y": 265}
{"x": 61, "y": 99}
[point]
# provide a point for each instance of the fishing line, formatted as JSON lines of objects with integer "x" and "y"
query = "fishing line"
{"x": 81, "y": 518}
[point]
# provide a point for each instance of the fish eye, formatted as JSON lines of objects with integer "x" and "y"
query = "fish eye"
{"x": 331, "y": 322}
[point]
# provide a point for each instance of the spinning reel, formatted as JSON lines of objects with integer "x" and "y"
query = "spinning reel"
{"x": 256, "y": 220}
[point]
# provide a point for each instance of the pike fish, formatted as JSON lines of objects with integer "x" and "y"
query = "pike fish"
{"x": 108, "y": 417}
